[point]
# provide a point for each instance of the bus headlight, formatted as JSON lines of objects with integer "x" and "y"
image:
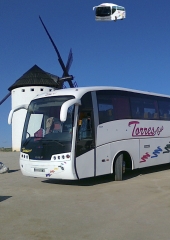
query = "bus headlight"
{"x": 60, "y": 157}
{"x": 24, "y": 156}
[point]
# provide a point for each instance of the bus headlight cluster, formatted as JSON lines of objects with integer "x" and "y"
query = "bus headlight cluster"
{"x": 24, "y": 156}
{"x": 61, "y": 157}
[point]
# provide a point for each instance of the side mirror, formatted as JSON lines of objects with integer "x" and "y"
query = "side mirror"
{"x": 24, "y": 106}
{"x": 65, "y": 106}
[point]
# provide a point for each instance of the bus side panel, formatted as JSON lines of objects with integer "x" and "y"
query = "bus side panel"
{"x": 103, "y": 160}
{"x": 105, "y": 155}
{"x": 154, "y": 151}
{"x": 85, "y": 165}
{"x": 131, "y": 146}
{"x": 113, "y": 131}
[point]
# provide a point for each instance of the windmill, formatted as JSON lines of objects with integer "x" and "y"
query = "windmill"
{"x": 32, "y": 83}
{"x": 66, "y": 77}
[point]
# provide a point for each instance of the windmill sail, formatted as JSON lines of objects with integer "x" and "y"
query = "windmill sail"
{"x": 69, "y": 61}
{"x": 68, "y": 65}
{"x": 3, "y": 100}
{"x": 69, "y": 78}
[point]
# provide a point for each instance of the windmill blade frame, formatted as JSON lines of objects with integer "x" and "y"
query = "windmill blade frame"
{"x": 3, "y": 100}
{"x": 68, "y": 65}
{"x": 70, "y": 60}
{"x": 70, "y": 77}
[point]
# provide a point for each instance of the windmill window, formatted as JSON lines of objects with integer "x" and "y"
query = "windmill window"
{"x": 32, "y": 89}
{"x": 41, "y": 89}
{"x": 23, "y": 90}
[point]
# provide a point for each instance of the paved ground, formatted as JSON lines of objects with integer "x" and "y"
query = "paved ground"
{"x": 96, "y": 209}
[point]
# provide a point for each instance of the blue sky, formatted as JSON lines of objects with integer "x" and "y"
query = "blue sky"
{"x": 133, "y": 53}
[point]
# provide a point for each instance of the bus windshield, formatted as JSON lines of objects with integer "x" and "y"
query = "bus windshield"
{"x": 44, "y": 134}
{"x": 103, "y": 11}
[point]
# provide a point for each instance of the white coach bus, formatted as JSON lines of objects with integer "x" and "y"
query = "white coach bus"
{"x": 109, "y": 12}
{"x": 86, "y": 132}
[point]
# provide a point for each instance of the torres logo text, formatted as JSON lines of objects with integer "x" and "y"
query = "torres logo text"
{"x": 138, "y": 130}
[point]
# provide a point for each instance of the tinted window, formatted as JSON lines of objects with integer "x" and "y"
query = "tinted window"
{"x": 103, "y": 11}
{"x": 164, "y": 109}
{"x": 113, "y": 9}
{"x": 120, "y": 8}
{"x": 112, "y": 105}
{"x": 118, "y": 104}
{"x": 144, "y": 107}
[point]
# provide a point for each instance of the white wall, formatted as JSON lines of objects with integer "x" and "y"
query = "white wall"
{"x": 22, "y": 95}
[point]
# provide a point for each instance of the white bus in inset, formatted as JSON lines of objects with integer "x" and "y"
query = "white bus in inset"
{"x": 109, "y": 12}
{"x": 86, "y": 132}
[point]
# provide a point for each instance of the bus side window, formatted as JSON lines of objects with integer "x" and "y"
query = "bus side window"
{"x": 164, "y": 109}
{"x": 112, "y": 106}
{"x": 85, "y": 128}
{"x": 137, "y": 108}
{"x": 113, "y": 9}
{"x": 110, "y": 114}
{"x": 121, "y": 107}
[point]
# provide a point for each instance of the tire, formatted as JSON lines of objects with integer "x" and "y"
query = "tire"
{"x": 118, "y": 168}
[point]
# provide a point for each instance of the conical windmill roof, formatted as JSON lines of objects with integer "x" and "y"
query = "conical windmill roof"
{"x": 35, "y": 76}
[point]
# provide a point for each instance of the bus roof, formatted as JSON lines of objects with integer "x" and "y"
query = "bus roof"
{"x": 105, "y": 5}
{"x": 80, "y": 91}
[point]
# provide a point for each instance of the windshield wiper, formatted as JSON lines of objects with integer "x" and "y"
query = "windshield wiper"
{"x": 55, "y": 141}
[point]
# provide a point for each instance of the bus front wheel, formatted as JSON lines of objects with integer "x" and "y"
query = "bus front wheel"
{"x": 119, "y": 168}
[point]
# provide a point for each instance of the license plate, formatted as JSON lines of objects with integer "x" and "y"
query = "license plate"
{"x": 39, "y": 169}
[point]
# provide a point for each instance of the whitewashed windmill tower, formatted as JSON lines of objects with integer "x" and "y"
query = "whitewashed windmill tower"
{"x": 32, "y": 83}
{"x": 35, "y": 81}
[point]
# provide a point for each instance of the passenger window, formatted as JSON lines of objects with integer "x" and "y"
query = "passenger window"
{"x": 122, "y": 108}
{"x": 85, "y": 127}
{"x": 113, "y": 9}
{"x": 144, "y": 108}
{"x": 112, "y": 105}
{"x": 164, "y": 109}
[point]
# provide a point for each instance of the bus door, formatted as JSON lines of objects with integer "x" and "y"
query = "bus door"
{"x": 85, "y": 139}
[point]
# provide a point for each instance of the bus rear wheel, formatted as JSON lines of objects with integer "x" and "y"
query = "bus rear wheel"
{"x": 119, "y": 168}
